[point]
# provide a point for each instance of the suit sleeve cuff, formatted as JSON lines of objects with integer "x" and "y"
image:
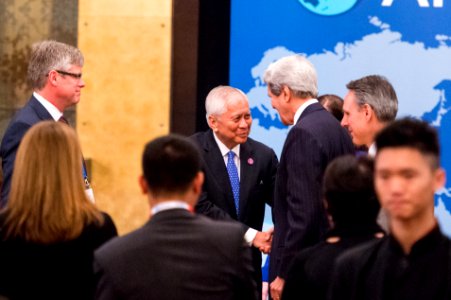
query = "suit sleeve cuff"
{"x": 249, "y": 236}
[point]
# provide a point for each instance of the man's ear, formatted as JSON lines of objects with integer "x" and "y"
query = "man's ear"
{"x": 440, "y": 179}
{"x": 143, "y": 185}
{"x": 286, "y": 93}
{"x": 52, "y": 77}
{"x": 198, "y": 182}
{"x": 367, "y": 111}
{"x": 213, "y": 123}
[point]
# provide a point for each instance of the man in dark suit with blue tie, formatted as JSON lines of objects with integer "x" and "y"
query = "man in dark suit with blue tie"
{"x": 239, "y": 171}
{"x": 315, "y": 139}
{"x": 54, "y": 73}
{"x": 177, "y": 254}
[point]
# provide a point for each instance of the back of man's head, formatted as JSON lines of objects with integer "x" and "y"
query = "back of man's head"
{"x": 295, "y": 72}
{"x": 378, "y": 93}
{"x": 349, "y": 191}
{"x": 414, "y": 134}
{"x": 333, "y": 104}
{"x": 170, "y": 164}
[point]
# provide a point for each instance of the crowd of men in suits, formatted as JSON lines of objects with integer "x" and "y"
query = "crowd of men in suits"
{"x": 208, "y": 192}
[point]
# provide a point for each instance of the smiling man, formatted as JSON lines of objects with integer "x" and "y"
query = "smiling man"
{"x": 369, "y": 106}
{"x": 54, "y": 73}
{"x": 239, "y": 171}
{"x": 414, "y": 260}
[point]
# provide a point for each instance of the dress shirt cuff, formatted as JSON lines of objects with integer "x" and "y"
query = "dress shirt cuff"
{"x": 249, "y": 236}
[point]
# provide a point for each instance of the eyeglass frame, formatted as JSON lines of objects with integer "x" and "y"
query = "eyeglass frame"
{"x": 73, "y": 75}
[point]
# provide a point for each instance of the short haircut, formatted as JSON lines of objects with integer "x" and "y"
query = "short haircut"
{"x": 378, "y": 93}
{"x": 294, "y": 72}
{"x": 349, "y": 191}
{"x": 170, "y": 164}
{"x": 218, "y": 98}
{"x": 51, "y": 55}
{"x": 411, "y": 133}
{"x": 333, "y": 104}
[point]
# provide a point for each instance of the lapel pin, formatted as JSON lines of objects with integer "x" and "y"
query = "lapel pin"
{"x": 250, "y": 161}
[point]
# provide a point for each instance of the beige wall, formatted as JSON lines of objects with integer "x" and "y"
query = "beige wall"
{"x": 126, "y": 99}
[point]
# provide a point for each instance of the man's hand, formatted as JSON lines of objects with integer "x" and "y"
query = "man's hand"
{"x": 276, "y": 288}
{"x": 263, "y": 241}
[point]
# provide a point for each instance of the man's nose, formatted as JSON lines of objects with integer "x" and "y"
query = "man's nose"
{"x": 344, "y": 121}
{"x": 243, "y": 123}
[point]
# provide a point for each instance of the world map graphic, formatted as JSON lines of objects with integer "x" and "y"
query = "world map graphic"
{"x": 383, "y": 51}
{"x": 328, "y": 8}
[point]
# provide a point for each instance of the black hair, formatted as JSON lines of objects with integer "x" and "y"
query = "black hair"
{"x": 349, "y": 191}
{"x": 411, "y": 133}
{"x": 333, "y": 104}
{"x": 170, "y": 163}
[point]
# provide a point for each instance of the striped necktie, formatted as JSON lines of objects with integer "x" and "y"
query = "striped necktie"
{"x": 234, "y": 180}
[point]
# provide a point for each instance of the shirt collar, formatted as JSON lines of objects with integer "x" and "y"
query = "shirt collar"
{"x": 301, "y": 109}
{"x": 424, "y": 244}
{"x": 223, "y": 148}
{"x": 167, "y": 205}
{"x": 372, "y": 150}
{"x": 53, "y": 111}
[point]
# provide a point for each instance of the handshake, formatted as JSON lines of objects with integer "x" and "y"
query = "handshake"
{"x": 263, "y": 240}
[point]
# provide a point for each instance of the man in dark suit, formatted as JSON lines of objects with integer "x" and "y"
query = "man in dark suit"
{"x": 54, "y": 72}
{"x": 230, "y": 120}
{"x": 177, "y": 254}
{"x": 315, "y": 139}
{"x": 369, "y": 106}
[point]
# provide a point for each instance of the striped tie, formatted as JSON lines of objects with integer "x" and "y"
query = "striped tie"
{"x": 234, "y": 180}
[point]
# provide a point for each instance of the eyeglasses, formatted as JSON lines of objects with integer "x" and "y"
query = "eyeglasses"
{"x": 74, "y": 75}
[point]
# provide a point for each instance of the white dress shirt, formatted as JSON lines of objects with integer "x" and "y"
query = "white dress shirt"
{"x": 53, "y": 111}
{"x": 301, "y": 109}
{"x": 250, "y": 234}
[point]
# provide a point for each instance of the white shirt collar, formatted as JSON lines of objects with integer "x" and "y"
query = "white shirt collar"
{"x": 53, "y": 111}
{"x": 301, "y": 109}
{"x": 223, "y": 148}
{"x": 167, "y": 205}
{"x": 372, "y": 150}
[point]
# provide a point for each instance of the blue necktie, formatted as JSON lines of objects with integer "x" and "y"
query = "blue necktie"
{"x": 62, "y": 119}
{"x": 234, "y": 180}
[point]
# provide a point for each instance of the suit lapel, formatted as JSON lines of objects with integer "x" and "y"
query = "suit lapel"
{"x": 214, "y": 162}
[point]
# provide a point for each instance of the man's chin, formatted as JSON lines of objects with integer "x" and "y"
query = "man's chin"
{"x": 241, "y": 140}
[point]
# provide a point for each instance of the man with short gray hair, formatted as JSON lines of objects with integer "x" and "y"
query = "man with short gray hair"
{"x": 54, "y": 73}
{"x": 239, "y": 171}
{"x": 369, "y": 106}
{"x": 316, "y": 138}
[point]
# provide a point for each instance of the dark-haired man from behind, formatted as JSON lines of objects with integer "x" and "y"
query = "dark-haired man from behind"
{"x": 351, "y": 203}
{"x": 333, "y": 104}
{"x": 414, "y": 260}
{"x": 176, "y": 254}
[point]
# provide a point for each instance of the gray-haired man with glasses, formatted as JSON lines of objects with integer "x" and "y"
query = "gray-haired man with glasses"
{"x": 54, "y": 73}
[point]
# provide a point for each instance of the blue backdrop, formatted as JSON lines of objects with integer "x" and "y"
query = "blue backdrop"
{"x": 408, "y": 41}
